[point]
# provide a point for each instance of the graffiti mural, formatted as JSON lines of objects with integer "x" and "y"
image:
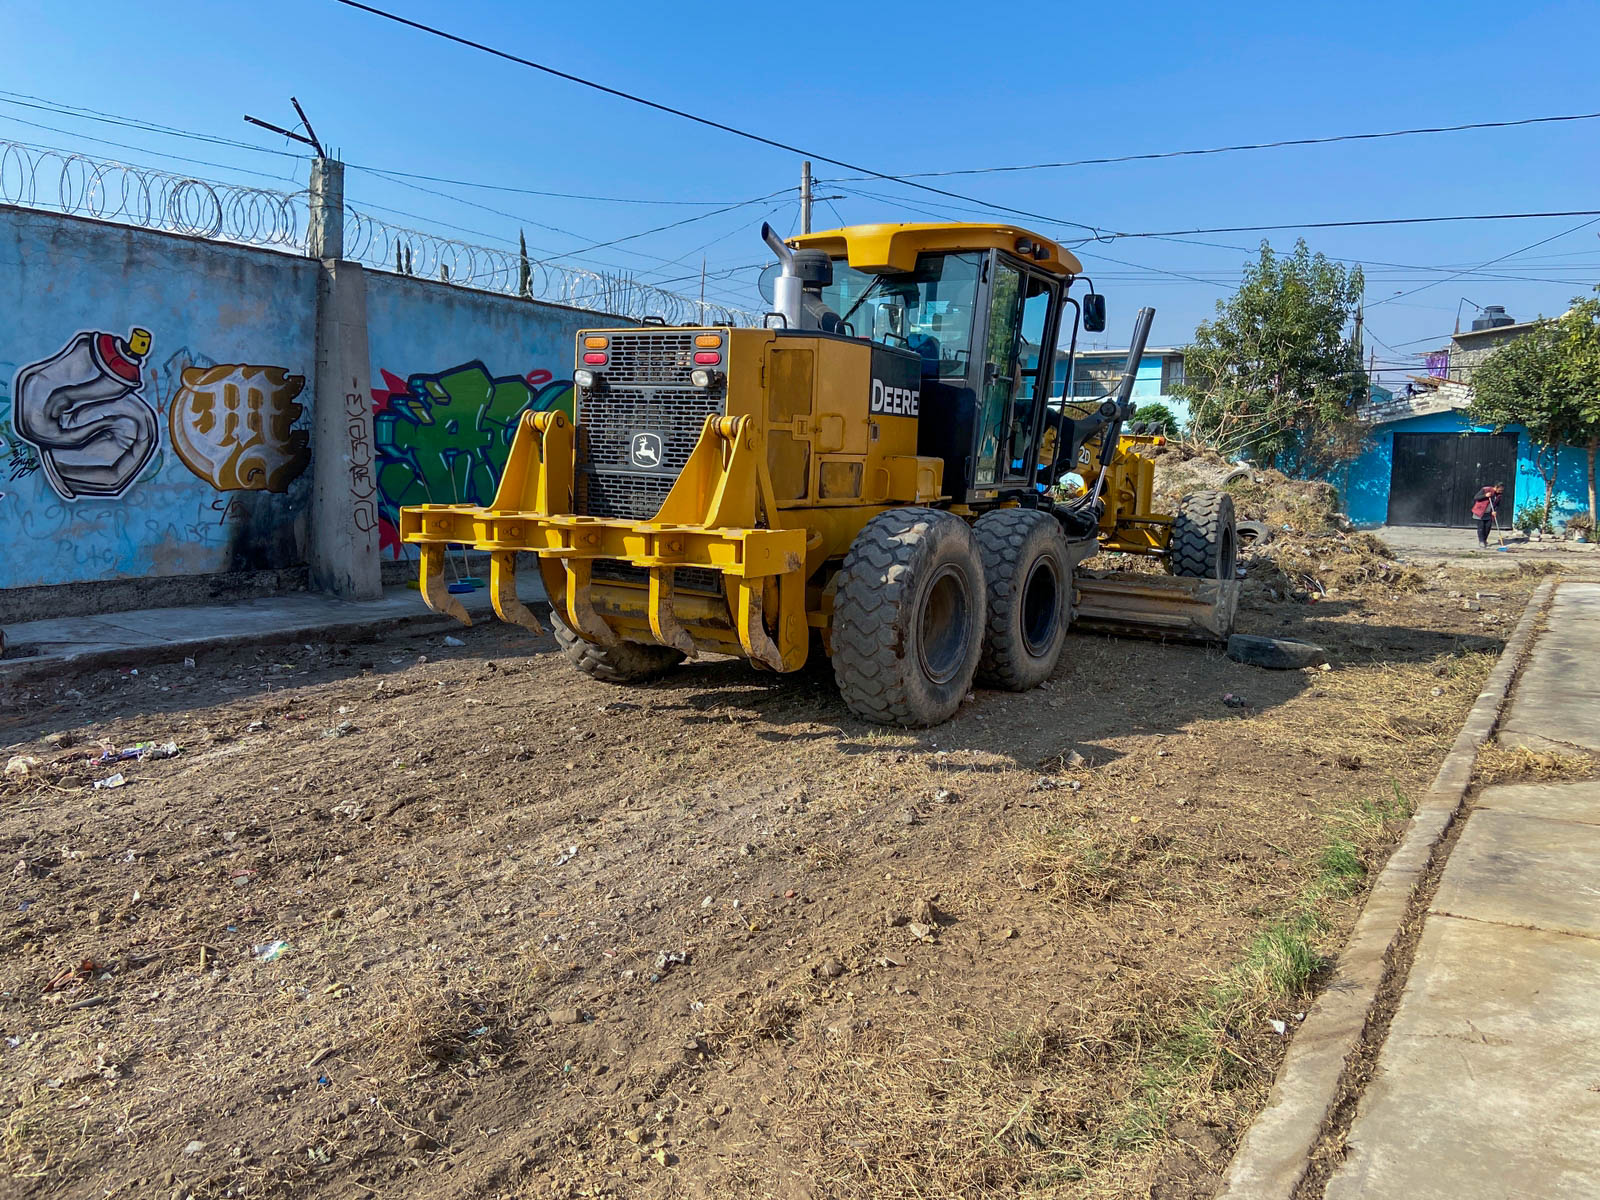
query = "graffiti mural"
{"x": 232, "y": 425}
{"x": 444, "y": 438}
{"x": 84, "y": 410}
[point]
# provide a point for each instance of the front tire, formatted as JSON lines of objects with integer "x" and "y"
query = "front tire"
{"x": 1029, "y": 584}
{"x": 625, "y": 662}
{"x": 908, "y": 618}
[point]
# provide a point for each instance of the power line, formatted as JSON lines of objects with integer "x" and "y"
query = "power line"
{"x": 1171, "y": 233}
{"x": 706, "y": 121}
{"x": 137, "y": 150}
{"x": 1492, "y": 261}
{"x": 22, "y": 100}
{"x": 1314, "y": 141}
{"x": 521, "y": 191}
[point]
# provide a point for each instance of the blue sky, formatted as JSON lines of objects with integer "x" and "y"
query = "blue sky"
{"x": 899, "y": 89}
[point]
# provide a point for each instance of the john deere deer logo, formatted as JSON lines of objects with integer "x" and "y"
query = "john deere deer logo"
{"x": 645, "y": 450}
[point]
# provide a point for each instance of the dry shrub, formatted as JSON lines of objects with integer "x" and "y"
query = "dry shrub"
{"x": 1499, "y": 764}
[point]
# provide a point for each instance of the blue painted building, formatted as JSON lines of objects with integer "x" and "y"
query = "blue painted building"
{"x": 1424, "y": 459}
{"x": 1098, "y": 373}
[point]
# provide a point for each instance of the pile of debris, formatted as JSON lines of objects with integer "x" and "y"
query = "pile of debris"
{"x": 1294, "y": 541}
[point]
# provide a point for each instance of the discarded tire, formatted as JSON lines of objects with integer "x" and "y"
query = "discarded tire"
{"x": 1275, "y": 654}
{"x": 1253, "y": 533}
{"x": 1204, "y": 543}
{"x": 625, "y": 662}
{"x": 1238, "y": 475}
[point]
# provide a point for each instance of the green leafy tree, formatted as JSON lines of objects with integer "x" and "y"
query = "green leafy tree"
{"x": 1547, "y": 381}
{"x": 1273, "y": 376}
{"x": 1157, "y": 414}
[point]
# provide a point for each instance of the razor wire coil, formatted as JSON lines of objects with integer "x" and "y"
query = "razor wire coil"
{"x": 80, "y": 186}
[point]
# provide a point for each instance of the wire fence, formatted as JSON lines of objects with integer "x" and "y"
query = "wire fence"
{"x": 151, "y": 198}
{"x": 379, "y": 244}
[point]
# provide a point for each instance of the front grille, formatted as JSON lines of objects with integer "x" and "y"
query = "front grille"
{"x": 621, "y": 495}
{"x": 685, "y": 579}
{"x": 646, "y": 392}
{"x": 650, "y": 357}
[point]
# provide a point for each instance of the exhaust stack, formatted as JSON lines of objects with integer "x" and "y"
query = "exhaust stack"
{"x": 787, "y": 291}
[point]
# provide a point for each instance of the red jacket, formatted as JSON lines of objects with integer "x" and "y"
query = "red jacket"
{"x": 1483, "y": 503}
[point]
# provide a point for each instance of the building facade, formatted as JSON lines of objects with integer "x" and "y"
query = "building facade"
{"x": 1098, "y": 372}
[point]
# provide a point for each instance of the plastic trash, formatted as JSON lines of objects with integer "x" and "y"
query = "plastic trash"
{"x": 115, "y": 781}
{"x": 451, "y": 640}
{"x": 21, "y": 764}
{"x": 270, "y": 951}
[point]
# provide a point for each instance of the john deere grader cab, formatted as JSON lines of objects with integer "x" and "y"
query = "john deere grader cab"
{"x": 879, "y": 466}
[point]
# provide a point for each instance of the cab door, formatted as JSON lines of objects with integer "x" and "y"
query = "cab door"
{"x": 1017, "y": 362}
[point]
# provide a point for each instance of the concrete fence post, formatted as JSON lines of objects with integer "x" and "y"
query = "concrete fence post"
{"x": 325, "y": 227}
{"x": 344, "y": 477}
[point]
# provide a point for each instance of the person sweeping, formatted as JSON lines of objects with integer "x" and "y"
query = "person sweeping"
{"x": 1486, "y": 509}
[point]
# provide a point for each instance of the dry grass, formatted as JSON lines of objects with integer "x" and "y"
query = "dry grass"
{"x": 428, "y": 1026}
{"x": 1072, "y": 863}
{"x": 1499, "y": 764}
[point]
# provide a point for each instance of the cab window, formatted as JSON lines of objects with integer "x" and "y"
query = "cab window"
{"x": 928, "y": 311}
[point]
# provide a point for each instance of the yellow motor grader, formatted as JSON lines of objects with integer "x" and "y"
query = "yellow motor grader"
{"x": 878, "y": 466}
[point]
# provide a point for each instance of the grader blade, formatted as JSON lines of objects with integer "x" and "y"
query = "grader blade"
{"x": 1157, "y": 606}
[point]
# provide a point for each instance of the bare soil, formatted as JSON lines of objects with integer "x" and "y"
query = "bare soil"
{"x": 410, "y": 919}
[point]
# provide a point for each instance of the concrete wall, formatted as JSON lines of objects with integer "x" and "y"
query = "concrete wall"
{"x": 203, "y": 465}
{"x": 1364, "y": 483}
{"x": 193, "y": 459}
{"x": 452, "y": 372}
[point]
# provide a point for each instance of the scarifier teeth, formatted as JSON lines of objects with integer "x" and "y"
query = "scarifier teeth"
{"x": 503, "y": 592}
{"x": 435, "y": 591}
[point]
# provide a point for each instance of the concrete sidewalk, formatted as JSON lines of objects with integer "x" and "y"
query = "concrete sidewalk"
{"x": 1488, "y": 1084}
{"x": 34, "y": 647}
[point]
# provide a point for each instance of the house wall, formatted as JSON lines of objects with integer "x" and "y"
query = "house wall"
{"x": 1364, "y": 483}
{"x": 198, "y": 462}
{"x": 1097, "y": 375}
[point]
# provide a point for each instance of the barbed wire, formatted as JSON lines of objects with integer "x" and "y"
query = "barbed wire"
{"x": 77, "y": 185}
{"x": 379, "y": 244}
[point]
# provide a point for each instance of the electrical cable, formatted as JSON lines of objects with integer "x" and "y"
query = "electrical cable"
{"x": 1314, "y": 141}
{"x": 699, "y": 120}
{"x": 1173, "y": 233}
{"x": 1583, "y": 225}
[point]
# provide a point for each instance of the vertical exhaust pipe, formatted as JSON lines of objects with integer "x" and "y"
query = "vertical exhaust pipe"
{"x": 786, "y": 288}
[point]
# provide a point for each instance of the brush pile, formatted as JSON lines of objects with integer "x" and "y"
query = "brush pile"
{"x": 1307, "y": 548}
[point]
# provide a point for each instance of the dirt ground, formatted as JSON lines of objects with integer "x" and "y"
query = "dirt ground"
{"x": 403, "y": 918}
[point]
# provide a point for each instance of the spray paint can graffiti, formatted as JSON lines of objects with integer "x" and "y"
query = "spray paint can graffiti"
{"x": 83, "y": 408}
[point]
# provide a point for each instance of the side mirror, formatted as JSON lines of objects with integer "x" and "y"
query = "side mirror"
{"x": 1094, "y": 312}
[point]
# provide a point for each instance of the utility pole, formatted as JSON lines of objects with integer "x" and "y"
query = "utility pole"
{"x": 805, "y": 197}
{"x": 702, "y": 289}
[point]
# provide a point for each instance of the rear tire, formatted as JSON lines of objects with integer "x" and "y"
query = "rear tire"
{"x": 625, "y": 662}
{"x": 1205, "y": 543}
{"x": 908, "y": 618}
{"x": 1029, "y": 590}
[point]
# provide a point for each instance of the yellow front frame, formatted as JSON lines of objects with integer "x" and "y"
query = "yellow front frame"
{"x": 715, "y": 517}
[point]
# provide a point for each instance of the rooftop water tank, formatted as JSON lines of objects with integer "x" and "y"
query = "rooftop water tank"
{"x": 1493, "y": 316}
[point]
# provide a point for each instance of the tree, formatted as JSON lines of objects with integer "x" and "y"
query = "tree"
{"x": 1273, "y": 375}
{"x": 1547, "y": 381}
{"x": 1159, "y": 415}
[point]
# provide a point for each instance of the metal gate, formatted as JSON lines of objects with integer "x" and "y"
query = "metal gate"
{"x": 1436, "y": 474}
